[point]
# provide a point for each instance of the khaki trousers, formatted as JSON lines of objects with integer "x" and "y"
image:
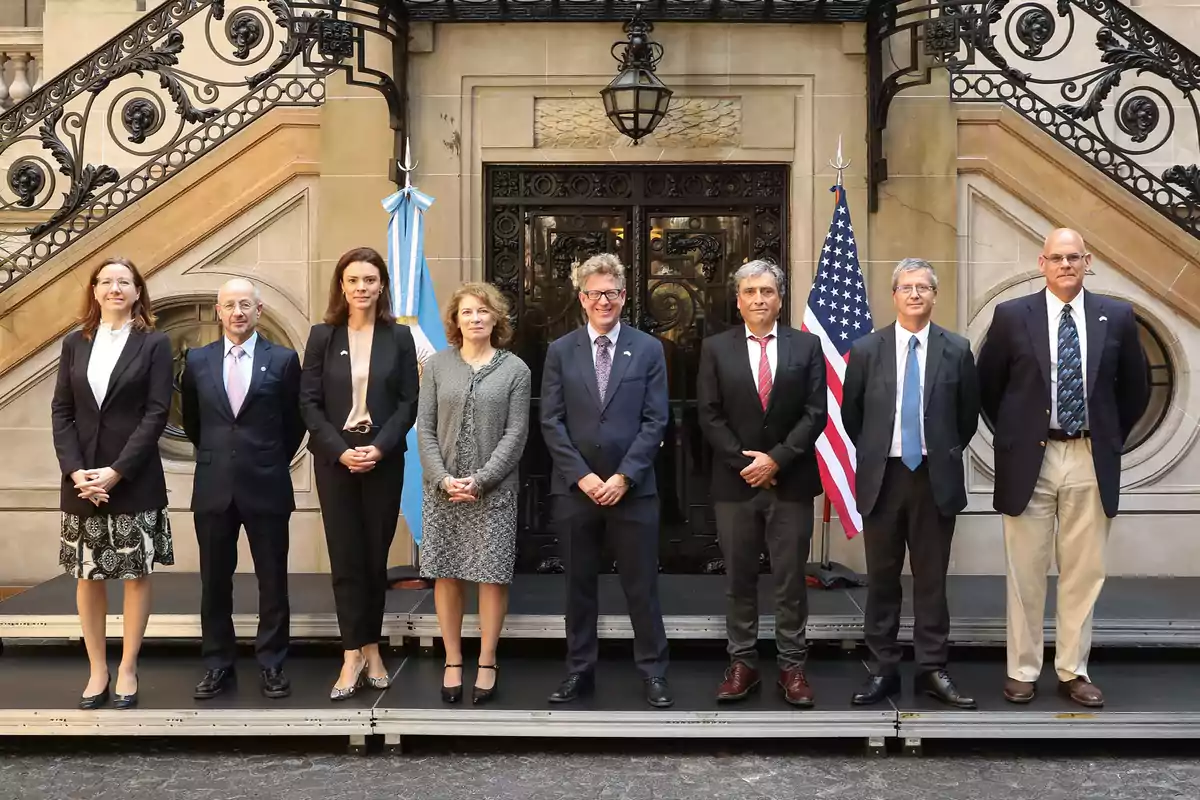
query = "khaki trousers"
{"x": 1067, "y": 490}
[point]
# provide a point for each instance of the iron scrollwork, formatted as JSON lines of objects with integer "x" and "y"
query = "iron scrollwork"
{"x": 1015, "y": 55}
{"x": 135, "y": 99}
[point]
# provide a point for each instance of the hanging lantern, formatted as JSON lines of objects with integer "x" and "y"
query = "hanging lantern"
{"x": 636, "y": 100}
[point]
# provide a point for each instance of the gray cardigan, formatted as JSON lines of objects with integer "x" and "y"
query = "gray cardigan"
{"x": 501, "y": 418}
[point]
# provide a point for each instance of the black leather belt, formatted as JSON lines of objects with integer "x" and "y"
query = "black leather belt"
{"x": 1056, "y": 435}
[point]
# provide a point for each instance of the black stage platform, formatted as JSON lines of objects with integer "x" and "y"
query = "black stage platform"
{"x": 1131, "y": 611}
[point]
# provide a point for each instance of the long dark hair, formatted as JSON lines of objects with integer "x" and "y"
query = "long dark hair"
{"x": 338, "y": 310}
{"x": 143, "y": 319}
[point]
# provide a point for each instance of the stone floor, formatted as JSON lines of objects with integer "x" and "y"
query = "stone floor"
{"x": 70, "y": 769}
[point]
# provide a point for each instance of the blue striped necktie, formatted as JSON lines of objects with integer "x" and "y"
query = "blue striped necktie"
{"x": 1071, "y": 410}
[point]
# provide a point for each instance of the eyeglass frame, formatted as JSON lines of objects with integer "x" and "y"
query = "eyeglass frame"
{"x": 1058, "y": 258}
{"x": 921, "y": 289}
{"x": 612, "y": 295}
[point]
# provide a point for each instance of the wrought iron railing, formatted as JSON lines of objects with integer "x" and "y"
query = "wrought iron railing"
{"x": 186, "y": 77}
{"x": 1099, "y": 78}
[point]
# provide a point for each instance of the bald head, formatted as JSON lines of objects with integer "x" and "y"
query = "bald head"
{"x": 1063, "y": 261}
{"x": 239, "y": 305}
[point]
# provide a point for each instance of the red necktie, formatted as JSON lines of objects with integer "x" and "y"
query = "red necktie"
{"x": 764, "y": 370}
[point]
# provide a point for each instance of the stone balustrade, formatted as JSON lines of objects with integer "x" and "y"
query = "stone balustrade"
{"x": 20, "y": 64}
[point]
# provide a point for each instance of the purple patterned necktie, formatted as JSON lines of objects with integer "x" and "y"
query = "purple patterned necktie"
{"x": 603, "y": 364}
{"x": 235, "y": 386}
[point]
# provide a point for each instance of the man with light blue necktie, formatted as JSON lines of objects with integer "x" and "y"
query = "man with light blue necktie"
{"x": 910, "y": 404}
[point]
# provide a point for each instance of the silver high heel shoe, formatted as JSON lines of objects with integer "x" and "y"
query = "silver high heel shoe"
{"x": 338, "y": 693}
{"x": 379, "y": 683}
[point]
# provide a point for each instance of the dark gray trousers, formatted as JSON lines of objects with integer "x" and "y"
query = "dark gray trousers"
{"x": 786, "y": 527}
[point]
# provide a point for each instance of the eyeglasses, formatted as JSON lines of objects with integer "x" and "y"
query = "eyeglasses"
{"x": 594, "y": 295}
{"x": 244, "y": 305}
{"x": 1074, "y": 259}
{"x": 914, "y": 288}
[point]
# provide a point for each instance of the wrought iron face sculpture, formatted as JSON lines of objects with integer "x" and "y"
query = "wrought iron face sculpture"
{"x": 636, "y": 100}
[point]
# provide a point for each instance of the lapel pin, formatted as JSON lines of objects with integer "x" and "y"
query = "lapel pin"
{"x": 1103, "y": 319}
{"x": 262, "y": 369}
{"x": 344, "y": 353}
{"x": 628, "y": 353}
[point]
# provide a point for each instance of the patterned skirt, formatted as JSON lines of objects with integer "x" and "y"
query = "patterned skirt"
{"x": 115, "y": 547}
{"x": 474, "y": 542}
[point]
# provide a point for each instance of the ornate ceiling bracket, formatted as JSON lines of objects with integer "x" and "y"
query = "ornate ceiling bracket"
{"x": 1059, "y": 64}
{"x": 139, "y": 99}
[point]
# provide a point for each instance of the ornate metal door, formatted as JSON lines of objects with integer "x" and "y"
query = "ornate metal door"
{"x": 682, "y": 231}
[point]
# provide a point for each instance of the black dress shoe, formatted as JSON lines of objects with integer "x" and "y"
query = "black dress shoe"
{"x": 658, "y": 693}
{"x": 575, "y": 686}
{"x": 124, "y": 702}
{"x": 877, "y": 689}
{"x": 275, "y": 684}
{"x": 937, "y": 684}
{"x": 92, "y": 702}
{"x": 480, "y": 696}
{"x": 214, "y": 682}
{"x": 451, "y": 694}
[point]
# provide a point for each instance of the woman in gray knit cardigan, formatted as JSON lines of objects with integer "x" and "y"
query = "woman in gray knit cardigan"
{"x": 472, "y": 422}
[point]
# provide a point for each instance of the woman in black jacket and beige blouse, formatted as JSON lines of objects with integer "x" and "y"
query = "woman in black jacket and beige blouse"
{"x": 358, "y": 395}
{"x": 472, "y": 424}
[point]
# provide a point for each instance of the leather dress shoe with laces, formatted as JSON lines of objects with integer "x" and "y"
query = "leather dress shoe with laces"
{"x": 938, "y": 685}
{"x": 740, "y": 680}
{"x": 214, "y": 682}
{"x": 1021, "y": 692}
{"x": 576, "y": 685}
{"x": 275, "y": 684}
{"x": 1082, "y": 691}
{"x": 795, "y": 687}
{"x": 658, "y": 693}
{"x": 876, "y": 689}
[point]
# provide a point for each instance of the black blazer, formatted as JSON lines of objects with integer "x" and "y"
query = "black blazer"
{"x": 951, "y": 413}
{"x": 124, "y": 432}
{"x": 733, "y": 419}
{"x": 622, "y": 434}
{"x": 326, "y": 391}
{"x": 1014, "y": 363}
{"x": 244, "y": 458}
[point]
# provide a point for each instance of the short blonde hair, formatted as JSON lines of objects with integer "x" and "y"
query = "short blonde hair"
{"x": 493, "y": 300}
{"x": 601, "y": 264}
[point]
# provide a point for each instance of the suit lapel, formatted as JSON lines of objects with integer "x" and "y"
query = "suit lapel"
{"x": 1096, "y": 327}
{"x": 933, "y": 360}
{"x": 585, "y": 366}
{"x": 258, "y": 369}
{"x": 623, "y": 345}
{"x": 214, "y": 356}
{"x": 133, "y": 346}
{"x": 888, "y": 359}
{"x": 1039, "y": 332}
{"x": 80, "y": 366}
{"x": 383, "y": 355}
{"x": 783, "y": 349}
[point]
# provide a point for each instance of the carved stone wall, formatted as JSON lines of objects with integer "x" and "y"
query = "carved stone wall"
{"x": 563, "y": 122}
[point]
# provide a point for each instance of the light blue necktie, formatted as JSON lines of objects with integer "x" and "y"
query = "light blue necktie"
{"x": 910, "y": 410}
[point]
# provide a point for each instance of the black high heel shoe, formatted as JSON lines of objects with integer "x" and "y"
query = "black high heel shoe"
{"x": 481, "y": 696}
{"x": 95, "y": 701}
{"x": 452, "y": 694}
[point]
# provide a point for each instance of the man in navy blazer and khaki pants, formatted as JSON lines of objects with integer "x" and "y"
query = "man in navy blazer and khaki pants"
{"x": 241, "y": 409}
{"x": 604, "y": 413}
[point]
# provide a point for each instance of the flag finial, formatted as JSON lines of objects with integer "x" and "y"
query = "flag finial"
{"x": 841, "y": 164}
{"x": 407, "y": 165}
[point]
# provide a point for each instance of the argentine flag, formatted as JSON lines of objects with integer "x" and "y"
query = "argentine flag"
{"x": 414, "y": 304}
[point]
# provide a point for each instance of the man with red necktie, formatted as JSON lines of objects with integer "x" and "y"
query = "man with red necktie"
{"x": 762, "y": 405}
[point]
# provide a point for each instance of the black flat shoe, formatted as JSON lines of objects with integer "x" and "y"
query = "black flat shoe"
{"x": 124, "y": 702}
{"x": 451, "y": 694}
{"x": 481, "y": 696}
{"x": 214, "y": 682}
{"x": 576, "y": 685}
{"x": 658, "y": 693}
{"x": 877, "y": 689}
{"x": 95, "y": 701}
{"x": 275, "y": 685}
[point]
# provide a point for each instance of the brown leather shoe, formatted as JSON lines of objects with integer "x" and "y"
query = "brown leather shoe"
{"x": 795, "y": 687}
{"x": 1016, "y": 691}
{"x": 1082, "y": 691}
{"x": 740, "y": 680}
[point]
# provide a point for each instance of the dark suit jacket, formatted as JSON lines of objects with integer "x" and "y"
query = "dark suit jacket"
{"x": 733, "y": 419}
{"x": 620, "y": 435}
{"x": 951, "y": 412}
{"x": 244, "y": 458}
{"x": 326, "y": 392}
{"x": 124, "y": 432}
{"x": 1014, "y": 363}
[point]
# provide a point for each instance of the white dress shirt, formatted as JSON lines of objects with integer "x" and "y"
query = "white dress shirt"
{"x": 612, "y": 335}
{"x": 754, "y": 350}
{"x": 107, "y": 344}
{"x": 245, "y": 363}
{"x": 902, "y": 339}
{"x": 1054, "y": 308}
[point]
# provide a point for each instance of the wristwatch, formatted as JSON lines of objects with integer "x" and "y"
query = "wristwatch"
{"x": 628, "y": 482}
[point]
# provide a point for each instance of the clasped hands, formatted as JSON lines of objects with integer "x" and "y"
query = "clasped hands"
{"x": 461, "y": 490}
{"x": 95, "y": 484}
{"x": 603, "y": 493}
{"x": 361, "y": 459}
{"x": 760, "y": 472}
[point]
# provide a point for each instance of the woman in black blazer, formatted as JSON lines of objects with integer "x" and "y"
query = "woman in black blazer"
{"x": 358, "y": 395}
{"x": 109, "y": 409}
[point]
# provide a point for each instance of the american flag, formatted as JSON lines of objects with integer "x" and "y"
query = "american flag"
{"x": 838, "y": 314}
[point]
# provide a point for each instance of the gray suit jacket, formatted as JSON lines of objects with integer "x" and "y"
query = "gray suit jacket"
{"x": 951, "y": 397}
